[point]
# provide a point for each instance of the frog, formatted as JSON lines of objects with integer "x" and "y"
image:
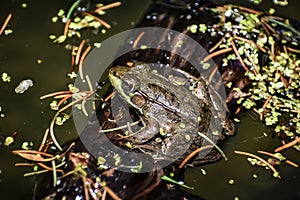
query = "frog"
{"x": 169, "y": 111}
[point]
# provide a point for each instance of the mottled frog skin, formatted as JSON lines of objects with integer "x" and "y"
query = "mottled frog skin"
{"x": 172, "y": 114}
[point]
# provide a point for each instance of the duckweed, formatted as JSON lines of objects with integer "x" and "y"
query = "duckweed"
{"x": 8, "y": 141}
{"x": 5, "y": 77}
{"x": 269, "y": 48}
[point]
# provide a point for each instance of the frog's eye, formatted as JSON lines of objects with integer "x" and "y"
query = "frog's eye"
{"x": 128, "y": 84}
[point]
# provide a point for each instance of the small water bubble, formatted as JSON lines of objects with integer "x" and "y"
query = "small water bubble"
{"x": 188, "y": 17}
{"x": 81, "y": 9}
{"x": 152, "y": 16}
{"x": 265, "y": 134}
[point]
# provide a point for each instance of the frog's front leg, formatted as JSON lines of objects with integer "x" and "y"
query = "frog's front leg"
{"x": 178, "y": 144}
{"x": 146, "y": 133}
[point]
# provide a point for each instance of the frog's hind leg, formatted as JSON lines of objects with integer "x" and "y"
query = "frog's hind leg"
{"x": 145, "y": 133}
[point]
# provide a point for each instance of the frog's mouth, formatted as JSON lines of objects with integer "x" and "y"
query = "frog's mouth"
{"x": 116, "y": 82}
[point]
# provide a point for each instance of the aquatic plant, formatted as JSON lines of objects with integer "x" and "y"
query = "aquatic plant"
{"x": 267, "y": 47}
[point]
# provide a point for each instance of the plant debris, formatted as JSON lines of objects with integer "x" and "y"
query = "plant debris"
{"x": 23, "y": 86}
{"x": 267, "y": 47}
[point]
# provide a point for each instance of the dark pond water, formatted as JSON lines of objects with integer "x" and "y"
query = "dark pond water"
{"x": 29, "y": 116}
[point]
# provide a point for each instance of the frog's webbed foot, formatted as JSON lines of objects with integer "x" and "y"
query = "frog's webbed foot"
{"x": 229, "y": 128}
{"x": 211, "y": 157}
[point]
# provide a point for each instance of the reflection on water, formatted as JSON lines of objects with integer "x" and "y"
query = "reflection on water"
{"x": 20, "y": 53}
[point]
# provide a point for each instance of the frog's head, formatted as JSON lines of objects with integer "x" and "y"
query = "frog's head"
{"x": 126, "y": 80}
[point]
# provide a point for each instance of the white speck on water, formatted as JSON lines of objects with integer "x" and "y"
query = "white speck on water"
{"x": 23, "y": 86}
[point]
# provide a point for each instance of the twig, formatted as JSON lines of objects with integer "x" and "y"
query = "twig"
{"x": 82, "y": 59}
{"x": 264, "y": 22}
{"x": 293, "y": 50}
{"x": 61, "y": 96}
{"x": 109, "y": 96}
{"x": 139, "y": 37}
{"x": 55, "y": 93}
{"x": 265, "y": 104}
{"x": 99, "y": 20}
{"x": 73, "y": 54}
{"x": 32, "y": 152}
{"x": 42, "y": 171}
{"x": 250, "y": 42}
{"x": 52, "y": 132}
{"x": 63, "y": 100}
{"x": 291, "y": 163}
{"x": 49, "y": 168}
{"x": 260, "y": 159}
{"x": 54, "y": 173}
{"x": 238, "y": 55}
{"x": 216, "y": 53}
{"x": 249, "y": 10}
{"x": 87, "y": 77}
{"x": 193, "y": 154}
{"x": 292, "y": 143}
{"x": 36, "y": 158}
{"x": 5, "y": 23}
{"x": 68, "y": 149}
{"x": 282, "y": 24}
{"x": 166, "y": 178}
{"x": 74, "y": 102}
{"x": 83, "y": 108}
{"x": 112, "y": 5}
{"x": 266, "y": 28}
{"x": 276, "y": 17}
{"x": 216, "y": 146}
{"x": 67, "y": 174}
{"x": 36, "y": 173}
{"x": 86, "y": 192}
{"x": 44, "y": 139}
{"x": 238, "y": 110}
{"x": 96, "y": 191}
{"x": 67, "y": 27}
{"x": 104, "y": 195}
{"x": 212, "y": 74}
{"x": 217, "y": 44}
{"x": 111, "y": 193}
{"x": 24, "y": 164}
{"x": 272, "y": 155}
{"x": 79, "y": 51}
{"x": 93, "y": 193}
{"x": 255, "y": 70}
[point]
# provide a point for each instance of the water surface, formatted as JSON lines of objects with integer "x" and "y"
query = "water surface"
{"x": 29, "y": 116}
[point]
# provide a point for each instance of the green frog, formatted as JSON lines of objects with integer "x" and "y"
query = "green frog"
{"x": 172, "y": 114}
